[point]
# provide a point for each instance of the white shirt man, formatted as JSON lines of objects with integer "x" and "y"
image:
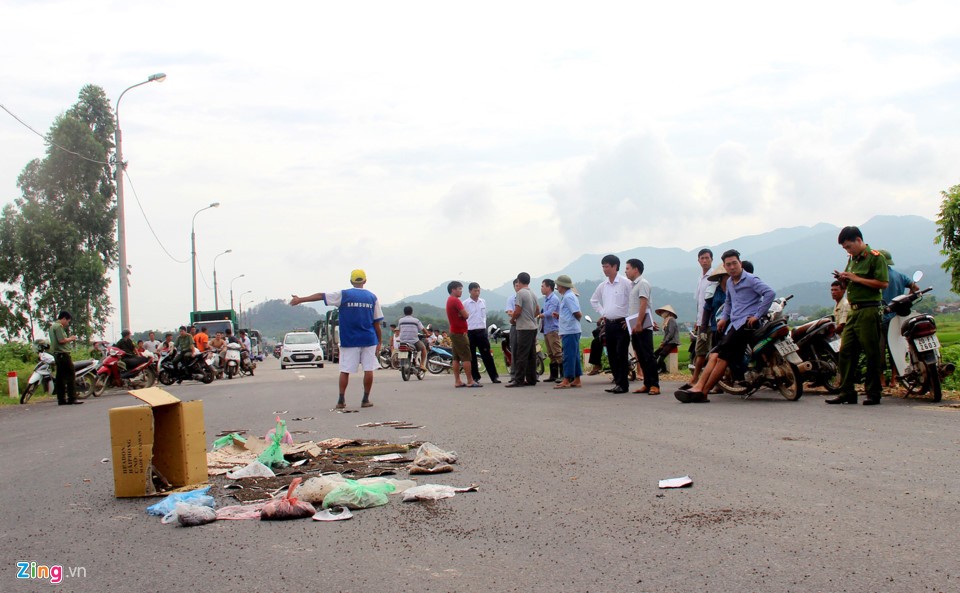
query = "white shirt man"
{"x": 477, "y": 309}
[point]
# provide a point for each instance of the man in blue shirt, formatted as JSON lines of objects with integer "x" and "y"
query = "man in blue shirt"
{"x": 550, "y": 326}
{"x": 748, "y": 298}
{"x": 360, "y": 318}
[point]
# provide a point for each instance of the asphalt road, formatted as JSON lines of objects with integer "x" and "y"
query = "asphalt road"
{"x": 787, "y": 496}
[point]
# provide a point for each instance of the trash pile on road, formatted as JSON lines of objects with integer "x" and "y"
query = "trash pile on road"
{"x": 275, "y": 478}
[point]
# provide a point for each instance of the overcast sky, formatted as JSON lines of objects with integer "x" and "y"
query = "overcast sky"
{"x": 424, "y": 141}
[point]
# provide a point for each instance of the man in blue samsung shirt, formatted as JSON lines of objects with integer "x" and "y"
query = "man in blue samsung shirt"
{"x": 748, "y": 298}
{"x": 360, "y": 318}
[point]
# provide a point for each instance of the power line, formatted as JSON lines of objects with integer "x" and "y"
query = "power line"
{"x": 147, "y": 220}
{"x": 51, "y": 142}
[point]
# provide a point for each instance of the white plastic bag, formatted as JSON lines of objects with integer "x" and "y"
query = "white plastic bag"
{"x": 189, "y": 515}
{"x": 433, "y": 492}
{"x": 315, "y": 489}
{"x": 254, "y": 470}
{"x": 430, "y": 455}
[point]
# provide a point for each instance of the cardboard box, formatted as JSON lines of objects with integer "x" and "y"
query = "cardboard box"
{"x": 166, "y": 434}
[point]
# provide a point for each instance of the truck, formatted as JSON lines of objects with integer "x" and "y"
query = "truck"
{"x": 328, "y": 330}
{"x": 215, "y": 321}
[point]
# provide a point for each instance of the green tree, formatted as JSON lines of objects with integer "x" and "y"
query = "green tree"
{"x": 949, "y": 235}
{"x": 57, "y": 240}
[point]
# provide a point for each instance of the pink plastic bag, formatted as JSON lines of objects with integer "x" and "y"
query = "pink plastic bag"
{"x": 240, "y": 512}
{"x": 287, "y": 507}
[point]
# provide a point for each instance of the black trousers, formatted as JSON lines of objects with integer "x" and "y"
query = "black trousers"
{"x": 643, "y": 346}
{"x": 524, "y": 357}
{"x": 618, "y": 342}
{"x": 480, "y": 341}
{"x": 596, "y": 349}
{"x": 65, "y": 385}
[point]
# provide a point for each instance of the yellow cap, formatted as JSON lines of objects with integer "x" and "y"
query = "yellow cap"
{"x": 358, "y": 275}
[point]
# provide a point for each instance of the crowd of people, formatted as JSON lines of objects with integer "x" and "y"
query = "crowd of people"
{"x": 730, "y": 298}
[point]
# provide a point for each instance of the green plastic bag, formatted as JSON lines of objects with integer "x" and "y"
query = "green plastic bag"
{"x": 354, "y": 495}
{"x": 272, "y": 456}
{"x": 228, "y": 440}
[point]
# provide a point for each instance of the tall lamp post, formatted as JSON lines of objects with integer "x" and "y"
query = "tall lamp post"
{"x": 231, "y": 289}
{"x": 121, "y": 226}
{"x": 241, "y": 305}
{"x": 216, "y": 296}
{"x": 193, "y": 249}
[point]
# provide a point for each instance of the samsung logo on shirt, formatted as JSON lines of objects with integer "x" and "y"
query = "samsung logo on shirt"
{"x": 364, "y": 305}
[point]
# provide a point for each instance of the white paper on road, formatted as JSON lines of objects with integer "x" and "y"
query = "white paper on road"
{"x": 676, "y": 482}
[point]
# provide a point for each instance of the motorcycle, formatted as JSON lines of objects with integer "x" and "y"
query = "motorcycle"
{"x": 410, "y": 361}
{"x": 387, "y": 360}
{"x": 42, "y": 373}
{"x": 819, "y": 344}
{"x": 440, "y": 359}
{"x": 196, "y": 369}
{"x": 772, "y": 359}
{"x": 915, "y": 347}
{"x": 631, "y": 359}
{"x": 113, "y": 370}
{"x": 212, "y": 360}
{"x": 233, "y": 361}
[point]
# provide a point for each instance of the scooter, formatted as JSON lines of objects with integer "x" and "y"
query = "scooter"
{"x": 410, "y": 361}
{"x": 114, "y": 370}
{"x": 42, "y": 373}
{"x": 233, "y": 362}
{"x": 212, "y": 359}
{"x": 497, "y": 333}
{"x": 197, "y": 369}
{"x": 914, "y": 346}
{"x": 772, "y": 359}
{"x": 819, "y": 344}
{"x": 440, "y": 359}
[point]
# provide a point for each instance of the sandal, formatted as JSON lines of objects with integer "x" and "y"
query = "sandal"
{"x": 366, "y": 405}
{"x": 562, "y": 386}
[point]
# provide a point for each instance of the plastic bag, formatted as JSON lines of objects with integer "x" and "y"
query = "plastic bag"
{"x": 430, "y": 455}
{"x": 240, "y": 512}
{"x": 433, "y": 492}
{"x": 354, "y": 495}
{"x": 198, "y": 497}
{"x": 315, "y": 489}
{"x": 287, "y": 437}
{"x": 287, "y": 507}
{"x": 335, "y": 514}
{"x": 254, "y": 470}
{"x": 228, "y": 440}
{"x": 398, "y": 485}
{"x": 272, "y": 456}
{"x": 190, "y": 515}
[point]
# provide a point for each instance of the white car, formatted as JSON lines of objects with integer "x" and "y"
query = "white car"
{"x": 301, "y": 348}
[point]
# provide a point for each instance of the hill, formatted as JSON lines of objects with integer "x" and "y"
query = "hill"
{"x": 276, "y": 317}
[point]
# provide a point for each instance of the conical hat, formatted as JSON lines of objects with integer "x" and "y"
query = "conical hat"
{"x": 666, "y": 309}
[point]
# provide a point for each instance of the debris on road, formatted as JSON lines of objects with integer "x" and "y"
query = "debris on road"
{"x": 354, "y": 495}
{"x": 195, "y": 497}
{"x": 254, "y": 470}
{"x": 676, "y": 482}
{"x": 397, "y": 424}
{"x": 334, "y": 514}
{"x": 288, "y": 507}
{"x": 431, "y": 459}
{"x": 434, "y": 492}
{"x": 190, "y": 515}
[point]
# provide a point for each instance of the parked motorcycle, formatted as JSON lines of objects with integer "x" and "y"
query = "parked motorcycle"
{"x": 387, "y": 360}
{"x": 632, "y": 364}
{"x": 410, "y": 361}
{"x": 115, "y": 371}
{"x": 440, "y": 359}
{"x": 819, "y": 344}
{"x": 915, "y": 347}
{"x": 42, "y": 373}
{"x": 212, "y": 360}
{"x": 233, "y": 361}
{"x": 195, "y": 369}
{"x": 772, "y": 360}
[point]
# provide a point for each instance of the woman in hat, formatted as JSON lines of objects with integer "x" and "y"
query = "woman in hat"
{"x": 671, "y": 336}
{"x": 569, "y": 315}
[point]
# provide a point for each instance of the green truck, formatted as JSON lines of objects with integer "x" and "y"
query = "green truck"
{"x": 215, "y": 321}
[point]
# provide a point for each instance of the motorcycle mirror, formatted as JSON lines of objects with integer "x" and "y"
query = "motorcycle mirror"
{"x": 587, "y": 317}
{"x": 917, "y": 276}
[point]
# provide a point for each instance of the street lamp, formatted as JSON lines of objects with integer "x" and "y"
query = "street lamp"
{"x": 216, "y": 297}
{"x": 231, "y": 289}
{"x": 193, "y": 249}
{"x": 121, "y": 226}
{"x": 240, "y": 302}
